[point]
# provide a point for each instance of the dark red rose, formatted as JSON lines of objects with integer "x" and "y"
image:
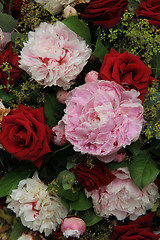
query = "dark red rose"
{"x": 127, "y": 70}
{"x": 93, "y": 178}
{"x": 105, "y": 13}
{"x": 150, "y": 10}
{"x": 25, "y": 135}
{"x": 10, "y": 59}
{"x": 136, "y": 230}
{"x": 16, "y": 10}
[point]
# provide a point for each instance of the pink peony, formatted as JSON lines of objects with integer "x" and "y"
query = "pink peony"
{"x": 91, "y": 76}
{"x": 73, "y": 227}
{"x": 59, "y": 136}
{"x": 54, "y": 55}
{"x": 122, "y": 198}
{"x": 101, "y": 117}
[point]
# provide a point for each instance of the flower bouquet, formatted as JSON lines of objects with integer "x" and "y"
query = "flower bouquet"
{"x": 79, "y": 119}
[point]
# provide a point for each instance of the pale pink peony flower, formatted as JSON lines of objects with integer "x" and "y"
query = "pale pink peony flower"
{"x": 122, "y": 198}
{"x": 91, "y": 76}
{"x": 54, "y": 55}
{"x": 59, "y": 136}
{"x": 73, "y": 227}
{"x": 37, "y": 209}
{"x": 69, "y": 11}
{"x": 101, "y": 117}
{"x": 62, "y": 96}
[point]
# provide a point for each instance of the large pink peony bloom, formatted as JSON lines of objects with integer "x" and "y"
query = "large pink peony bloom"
{"x": 122, "y": 198}
{"x": 102, "y": 117}
{"x": 54, "y": 55}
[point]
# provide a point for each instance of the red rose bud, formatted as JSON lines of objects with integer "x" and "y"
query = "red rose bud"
{"x": 10, "y": 72}
{"x": 93, "y": 178}
{"x": 150, "y": 10}
{"x": 127, "y": 70}
{"x": 25, "y": 135}
{"x": 138, "y": 229}
{"x": 105, "y": 13}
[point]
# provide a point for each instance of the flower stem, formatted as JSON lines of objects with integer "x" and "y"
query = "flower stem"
{"x": 10, "y": 7}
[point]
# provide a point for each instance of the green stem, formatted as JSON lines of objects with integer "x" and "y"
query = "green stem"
{"x": 10, "y": 7}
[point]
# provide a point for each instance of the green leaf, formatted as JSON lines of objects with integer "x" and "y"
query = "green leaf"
{"x": 133, "y": 5}
{"x": 15, "y": 35}
{"x": 89, "y": 217}
{"x": 11, "y": 180}
{"x": 143, "y": 169}
{"x": 83, "y": 203}
{"x": 5, "y": 96}
{"x": 155, "y": 65}
{"x": 100, "y": 49}
{"x": 1, "y": 7}
{"x": 17, "y": 231}
{"x": 115, "y": 165}
{"x": 67, "y": 179}
{"x": 53, "y": 110}
{"x": 135, "y": 147}
{"x": 7, "y": 22}
{"x": 66, "y": 194}
{"x": 79, "y": 27}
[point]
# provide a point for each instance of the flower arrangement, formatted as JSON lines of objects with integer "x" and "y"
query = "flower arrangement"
{"x": 79, "y": 119}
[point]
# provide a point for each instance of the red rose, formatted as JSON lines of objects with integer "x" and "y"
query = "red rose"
{"x": 150, "y": 10}
{"x": 105, "y": 13}
{"x": 93, "y": 178}
{"x": 25, "y": 135}
{"x": 136, "y": 230}
{"x": 12, "y": 75}
{"x": 127, "y": 70}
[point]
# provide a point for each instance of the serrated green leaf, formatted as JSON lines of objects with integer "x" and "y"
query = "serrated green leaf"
{"x": 7, "y": 22}
{"x": 143, "y": 169}
{"x": 67, "y": 179}
{"x": 1, "y": 7}
{"x": 11, "y": 180}
{"x": 17, "y": 231}
{"x": 89, "y": 217}
{"x": 100, "y": 49}
{"x": 53, "y": 110}
{"x": 79, "y": 27}
{"x": 83, "y": 203}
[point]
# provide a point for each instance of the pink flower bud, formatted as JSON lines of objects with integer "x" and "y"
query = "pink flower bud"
{"x": 69, "y": 11}
{"x": 62, "y": 96}
{"x": 73, "y": 227}
{"x": 59, "y": 137}
{"x": 91, "y": 76}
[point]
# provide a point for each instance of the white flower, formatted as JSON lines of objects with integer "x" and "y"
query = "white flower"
{"x": 54, "y": 55}
{"x": 55, "y": 6}
{"x": 36, "y": 208}
{"x": 122, "y": 198}
{"x": 25, "y": 237}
